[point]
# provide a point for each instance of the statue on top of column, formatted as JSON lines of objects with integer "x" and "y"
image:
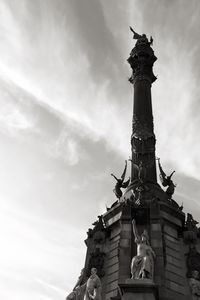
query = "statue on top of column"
{"x": 142, "y": 265}
{"x": 141, "y": 38}
{"x": 120, "y": 182}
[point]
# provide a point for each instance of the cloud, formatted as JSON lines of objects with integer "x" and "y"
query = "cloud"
{"x": 66, "y": 125}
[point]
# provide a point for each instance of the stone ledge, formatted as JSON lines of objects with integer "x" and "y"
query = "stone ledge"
{"x": 145, "y": 287}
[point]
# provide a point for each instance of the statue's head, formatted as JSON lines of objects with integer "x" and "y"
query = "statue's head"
{"x": 145, "y": 237}
{"x": 93, "y": 271}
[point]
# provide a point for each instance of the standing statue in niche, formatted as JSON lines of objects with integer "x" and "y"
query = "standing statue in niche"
{"x": 141, "y": 188}
{"x": 120, "y": 183}
{"x": 93, "y": 286}
{"x": 166, "y": 181}
{"x": 141, "y": 169}
{"x": 79, "y": 288}
{"x": 142, "y": 265}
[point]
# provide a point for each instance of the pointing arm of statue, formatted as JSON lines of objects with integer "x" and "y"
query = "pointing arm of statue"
{"x": 135, "y": 34}
{"x": 170, "y": 176}
{"x": 135, "y": 232}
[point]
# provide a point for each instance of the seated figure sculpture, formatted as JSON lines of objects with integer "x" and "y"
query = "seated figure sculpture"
{"x": 142, "y": 265}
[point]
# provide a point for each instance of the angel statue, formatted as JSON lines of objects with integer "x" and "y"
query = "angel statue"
{"x": 142, "y": 265}
{"x": 166, "y": 180}
{"x": 120, "y": 183}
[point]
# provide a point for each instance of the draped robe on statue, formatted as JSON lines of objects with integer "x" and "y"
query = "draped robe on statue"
{"x": 142, "y": 265}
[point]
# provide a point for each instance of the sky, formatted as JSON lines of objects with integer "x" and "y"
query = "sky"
{"x": 65, "y": 125}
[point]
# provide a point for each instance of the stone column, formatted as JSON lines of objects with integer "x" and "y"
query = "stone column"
{"x": 141, "y": 61}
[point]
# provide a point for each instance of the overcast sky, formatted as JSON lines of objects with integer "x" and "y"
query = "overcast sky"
{"x": 65, "y": 125}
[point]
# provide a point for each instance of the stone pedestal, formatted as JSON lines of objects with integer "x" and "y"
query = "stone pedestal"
{"x": 138, "y": 289}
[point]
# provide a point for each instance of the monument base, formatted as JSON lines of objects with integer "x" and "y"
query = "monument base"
{"x": 139, "y": 289}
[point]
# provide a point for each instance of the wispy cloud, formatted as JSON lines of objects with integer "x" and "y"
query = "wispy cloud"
{"x": 66, "y": 109}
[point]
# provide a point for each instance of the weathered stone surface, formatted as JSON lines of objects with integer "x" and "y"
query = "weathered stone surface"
{"x": 113, "y": 261}
{"x": 170, "y": 231}
{"x": 175, "y": 287}
{"x": 175, "y": 277}
{"x": 156, "y": 243}
{"x": 113, "y": 252}
{"x": 155, "y": 227}
{"x": 174, "y": 269}
{"x": 113, "y": 269}
{"x": 172, "y": 295}
{"x": 112, "y": 286}
{"x": 158, "y": 251}
{"x": 113, "y": 277}
{"x": 138, "y": 296}
{"x": 115, "y": 238}
{"x": 171, "y": 239}
{"x": 115, "y": 232}
{"x": 126, "y": 227}
{"x": 114, "y": 245}
{"x": 172, "y": 252}
{"x": 173, "y": 245}
{"x": 174, "y": 261}
{"x": 125, "y": 234}
{"x": 125, "y": 243}
{"x": 143, "y": 289}
{"x": 111, "y": 294}
{"x": 159, "y": 263}
{"x": 113, "y": 219}
{"x": 171, "y": 218}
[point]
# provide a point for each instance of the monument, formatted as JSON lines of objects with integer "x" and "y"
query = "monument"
{"x": 143, "y": 247}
